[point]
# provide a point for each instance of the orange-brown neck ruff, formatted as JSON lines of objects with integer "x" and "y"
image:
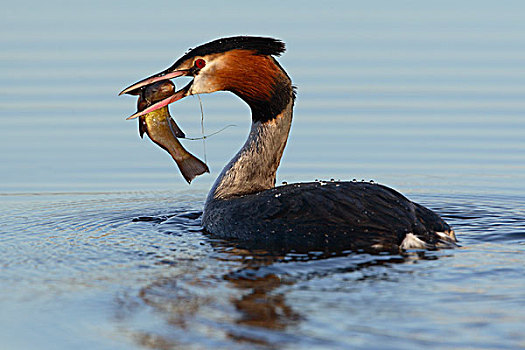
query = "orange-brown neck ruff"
{"x": 259, "y": 80}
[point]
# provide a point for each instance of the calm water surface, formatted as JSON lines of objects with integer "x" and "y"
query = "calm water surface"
{"x": 100, "y": 239}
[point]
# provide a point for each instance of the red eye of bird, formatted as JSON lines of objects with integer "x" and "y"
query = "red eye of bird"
{"x": 200, "y": 63}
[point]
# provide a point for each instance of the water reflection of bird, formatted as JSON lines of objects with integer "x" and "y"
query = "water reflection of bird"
{"x": 244, "y": 203}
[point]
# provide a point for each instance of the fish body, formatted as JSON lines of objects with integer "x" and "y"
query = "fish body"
{"x": 163, "y": 130}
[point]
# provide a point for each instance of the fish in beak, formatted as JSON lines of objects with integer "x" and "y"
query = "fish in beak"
{"x": 162, "y": 129}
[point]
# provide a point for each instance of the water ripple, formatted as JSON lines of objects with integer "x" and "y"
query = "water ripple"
{"x": 162, "y": 283}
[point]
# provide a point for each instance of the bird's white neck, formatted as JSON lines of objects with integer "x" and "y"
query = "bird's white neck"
{"x": 254, "y": 167}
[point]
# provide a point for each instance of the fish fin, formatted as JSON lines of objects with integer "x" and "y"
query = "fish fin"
{"x": 142, "y": 126}
{"x": 177, "y": 132}
{"x": 191, "y": 167}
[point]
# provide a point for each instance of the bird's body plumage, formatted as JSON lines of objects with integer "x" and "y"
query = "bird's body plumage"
{"x": 325, "y": 216}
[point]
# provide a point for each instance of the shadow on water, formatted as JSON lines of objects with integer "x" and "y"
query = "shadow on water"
{"x": 159, "y": 282}
{"x": 246, "y": 302}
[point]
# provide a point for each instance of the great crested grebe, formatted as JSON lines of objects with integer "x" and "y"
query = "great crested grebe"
{"x": 244, "y": 204}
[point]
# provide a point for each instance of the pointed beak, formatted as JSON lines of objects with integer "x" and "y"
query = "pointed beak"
{"x": 165, "y": 75}
{"x": 175, "y": 97}
{"x": 133, "y": 89}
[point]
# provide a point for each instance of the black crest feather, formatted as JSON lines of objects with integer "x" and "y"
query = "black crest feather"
{"x": 261, "y": 45}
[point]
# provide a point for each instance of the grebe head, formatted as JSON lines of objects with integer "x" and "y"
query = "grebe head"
{"x": 243, "y": 65}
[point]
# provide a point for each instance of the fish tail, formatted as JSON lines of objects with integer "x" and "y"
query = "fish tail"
{"x": 192, "y": 167}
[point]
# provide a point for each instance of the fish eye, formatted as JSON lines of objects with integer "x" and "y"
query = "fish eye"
{"x": 199, "y": 63}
